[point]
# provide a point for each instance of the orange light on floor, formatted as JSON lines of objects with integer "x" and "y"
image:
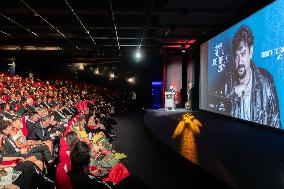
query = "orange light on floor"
{"x": 188, "y": 128}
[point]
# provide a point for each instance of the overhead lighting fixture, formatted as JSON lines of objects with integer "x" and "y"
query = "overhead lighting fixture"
{"x": 28, "y": 48}
{"x": 183, "y": 50}
{"x": 12, "y": 64}
{"x": 79, "y": 20}
{"x": 6, "y": 33}
{"x": 146, "y": 23}
{"x": 22, "y": 1}
{"x": 9, "y": 48}
{"x": 114, "y": 24}
{"x": 97, "y": 72}
{"x": 131, "y": 80}
{"x": 81, "y": 67}
{"x": 32, "y": 48}
{"x": 19, "y": 25}
{"x": 138, "y": 54}
{"x": 111, "y": 75}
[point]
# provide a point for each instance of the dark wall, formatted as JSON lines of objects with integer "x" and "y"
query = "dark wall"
{"x": 195, "y": 54}
{"x": 145, "y": 71}
{"x": 180, "y": 70}
{"x": 46, "y": 70}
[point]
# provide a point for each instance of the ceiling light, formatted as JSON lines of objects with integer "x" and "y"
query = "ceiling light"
{"x": 183, "y": 48}
{"x": 131, "y": 80}
{"x": 111, "y": 75}
{"x": 34, "y": 33}
{"x": 81, "y": 67}
{"x": 5, "y": 33}
{"x": 138, "y": 54}
{"x": 97, "y": 72}
{"x": 29, "y": 48}
{"x": 12, "y": 64}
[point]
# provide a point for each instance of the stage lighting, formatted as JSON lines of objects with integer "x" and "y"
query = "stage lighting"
{"x": 183, "y": 48}
{"x": 111, "y": 75}
{"x": 12, "y": 64}
{"x": 131, "y": 80}
{"x": 97, "y": 72}
{"x": 138, "y": 54}
{"x": 81, "y": 67}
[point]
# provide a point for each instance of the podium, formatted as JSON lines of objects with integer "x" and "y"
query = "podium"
{"x": 169, "y": 101}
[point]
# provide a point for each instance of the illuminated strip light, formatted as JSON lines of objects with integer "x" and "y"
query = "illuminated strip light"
{"x": 8, "y": 48}
{"x": 146, "y": 23}
{"x": 97, "y": 72}
{"x": 156, "y": 83}
{"x": 6, "y": 33}
{"x": 8, "y": 18}
{"x": 111, "y": 75}
{"x": 32, "y": 48}
{"x": 115, "y": 28}
{"x": 29, "y": 48}
{"x": 49, "y": 24}
{"x": 87, "y": 31}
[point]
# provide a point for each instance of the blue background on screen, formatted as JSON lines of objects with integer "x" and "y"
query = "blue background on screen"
{"x": 267, "y": 26}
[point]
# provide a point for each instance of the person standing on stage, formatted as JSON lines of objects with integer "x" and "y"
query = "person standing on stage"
{"x": 172, "y": 89}
{"x": 189, "y": 91}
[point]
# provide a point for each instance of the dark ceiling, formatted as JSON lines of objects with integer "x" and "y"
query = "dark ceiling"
{"x": 106, "y": 31}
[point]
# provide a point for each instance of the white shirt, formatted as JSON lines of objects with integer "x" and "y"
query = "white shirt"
{"x": 246, "y": 103}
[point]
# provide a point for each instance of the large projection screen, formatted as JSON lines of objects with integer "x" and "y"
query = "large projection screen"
{"x": 242, "y": 69}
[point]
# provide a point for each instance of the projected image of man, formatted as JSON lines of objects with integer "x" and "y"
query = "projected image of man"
{"x": 254, "y": 93}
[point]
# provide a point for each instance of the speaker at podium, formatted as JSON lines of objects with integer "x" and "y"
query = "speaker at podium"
{"x": 169, "y": 101}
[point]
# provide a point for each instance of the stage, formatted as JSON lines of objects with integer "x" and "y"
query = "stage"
{"x": 242, "y": 154}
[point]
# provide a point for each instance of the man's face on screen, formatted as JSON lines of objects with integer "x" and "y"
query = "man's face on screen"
{"x": 242, "y": 59}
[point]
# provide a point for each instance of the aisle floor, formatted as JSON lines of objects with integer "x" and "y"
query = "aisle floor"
{"x": 150, "y": 160}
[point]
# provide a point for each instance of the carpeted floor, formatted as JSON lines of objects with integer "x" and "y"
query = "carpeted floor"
{"x": 155, "y": 164}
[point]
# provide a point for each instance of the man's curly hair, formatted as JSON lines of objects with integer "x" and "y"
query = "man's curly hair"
{"x": 244, "y": 33}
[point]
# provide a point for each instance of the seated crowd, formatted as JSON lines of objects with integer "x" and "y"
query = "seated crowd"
{"x": 58, "y": 135}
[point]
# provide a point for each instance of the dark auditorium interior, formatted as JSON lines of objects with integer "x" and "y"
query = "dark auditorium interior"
{"x": 101, "y": 69}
